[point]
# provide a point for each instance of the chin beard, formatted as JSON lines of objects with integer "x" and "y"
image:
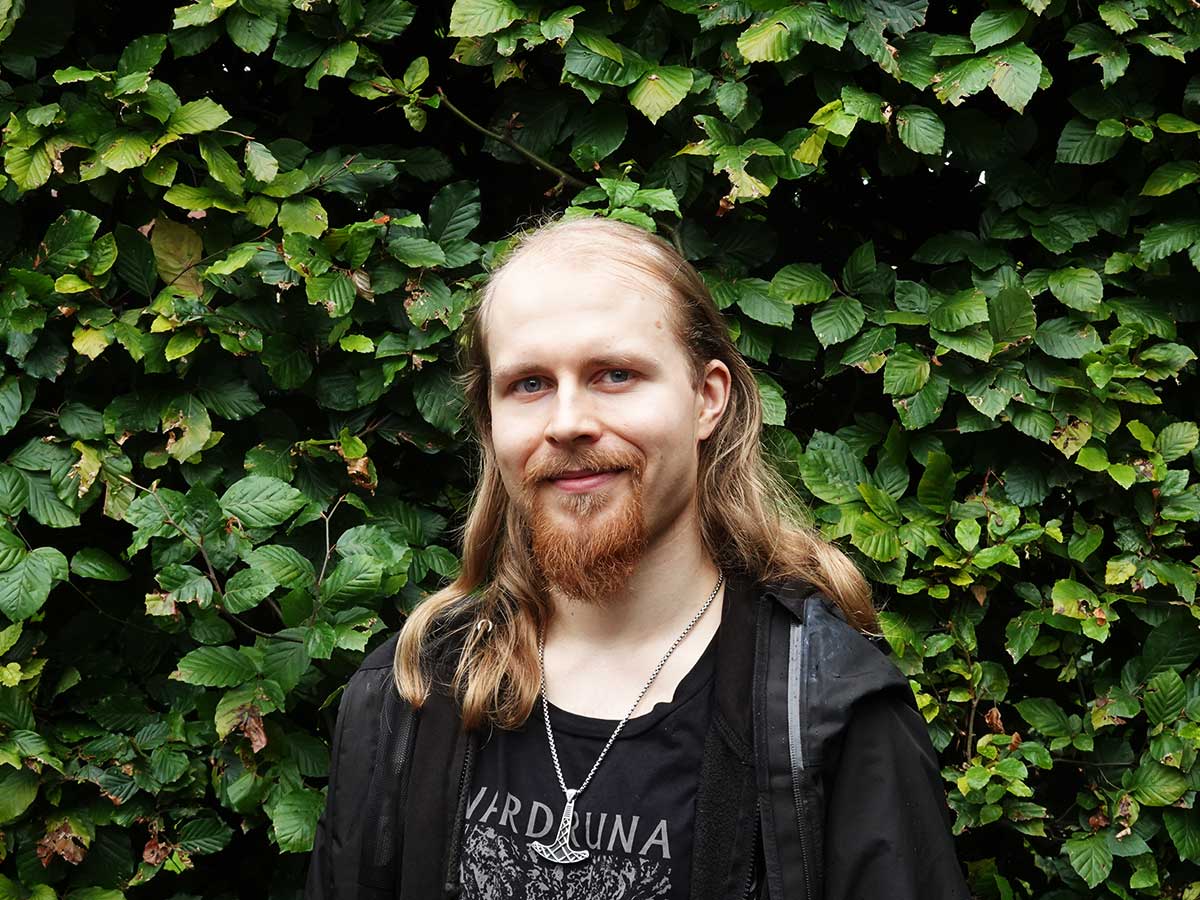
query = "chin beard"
{"x": 586, "y": 546}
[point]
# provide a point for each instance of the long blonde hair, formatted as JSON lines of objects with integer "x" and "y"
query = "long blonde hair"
{"x": 750, "y": 519}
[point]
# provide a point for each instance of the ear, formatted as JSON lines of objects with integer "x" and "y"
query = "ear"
{"x": 712, "y": 397}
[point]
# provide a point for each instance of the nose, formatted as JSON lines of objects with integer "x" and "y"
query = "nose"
{"x": 573, "y": 417}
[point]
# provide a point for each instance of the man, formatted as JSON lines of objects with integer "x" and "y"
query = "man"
{"x": 645, "y": 682}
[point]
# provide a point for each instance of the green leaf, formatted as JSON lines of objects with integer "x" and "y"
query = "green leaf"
{"x": 773, "y": 39}
{"x": 251, "y": 33}
{"x": 832, "y": 472}
{"x": 1177, "y": 440}
{"x": 177, "y": 250}
{"x": 1173, "y": 124}
{"x": 920, "y": 129}
{"x": 660, "y": 90}
{"x": 135, "y": 261}
{"x": 906, "y": 371}
{"x": 1090, "y": 857}
{"x": 261, "y": 162}
{"x": 259, "y": 501}
{"x": 757, "y": 301}
{"x": 1067, "y": 338}
{"x": 287, "y": 362}
{"x": 1183, "y": 825}
{"x": 68, "y": 240}
{"x": 955, "y": 84}
{"x": 1017, "y": 75}
{"x": 181, "y": 344}
{"x": 1157, "y": 785}
{"x": 958, "y": 311}
{"x": 246, "y": 589}
{"x": 29, "y": 167}
{"x": 1170, "y": 177}
{"x": 284, "y": 565}
{"x": 773, "y": 401}
{"x": 837, "y": 320}
{"x": 384, "y": 19}
{"x": 875, "y": 538}
{"x": 454, "y": 212}
{"x": 14, "y": 493}
{"x": 1080, "y": 145}
{"x": 215, "y": 667}
{"x": 18, "y": 789}
{"x": 294, "y": 817}
{"x": 995, "y": 26}
{"x": 126, "y": 150}
{"x": 1045, "y": 716}
{"x": 10, "y": 403}
{"x": 476, "y": 18}
{"x": 1173, "y": 645}
{"x": 1165, "y": 238}
{"x": 354, "y": 578}
{"x": 1165, "y": 697}
{"x": 439, "y": 401}
{"x": 1077, "y": 288}
{"x": 25, "y": 586}
{"x": 92, "y": 562}
{"x": 205, "y": 834}
{"x": 188, "y": 425}
{"x": 305, "y": 215}
{"x": 197, "y": 116}
{"x": 923, "y": 407}
{"x": 881, "y": 503}
{"x": 336, "y": 60}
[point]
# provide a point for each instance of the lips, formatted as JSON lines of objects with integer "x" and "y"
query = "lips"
{"x": 583, "y": 480}
{"x": 584, "y": 473}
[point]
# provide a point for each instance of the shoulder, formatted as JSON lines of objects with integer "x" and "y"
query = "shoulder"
{"x": 844, "y": 675}
{"x": 382, "y": 657}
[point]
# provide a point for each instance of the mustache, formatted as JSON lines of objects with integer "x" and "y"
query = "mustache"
{"x": 588, "y": 460}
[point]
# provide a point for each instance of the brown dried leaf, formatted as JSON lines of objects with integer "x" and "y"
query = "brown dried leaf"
{"x": 252, "y": 727}
{"x": 64, "y": 842}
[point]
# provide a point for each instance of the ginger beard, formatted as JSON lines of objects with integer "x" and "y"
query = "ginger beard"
{"x": 586, "y": 544}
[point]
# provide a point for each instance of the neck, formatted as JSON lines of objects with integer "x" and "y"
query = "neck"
{"x": 669, "y": 584}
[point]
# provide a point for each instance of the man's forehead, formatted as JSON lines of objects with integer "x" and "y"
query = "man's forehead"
{"x": 557, "y": 290}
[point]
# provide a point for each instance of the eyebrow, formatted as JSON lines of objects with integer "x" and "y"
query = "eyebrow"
{"x": 506, "y": 374}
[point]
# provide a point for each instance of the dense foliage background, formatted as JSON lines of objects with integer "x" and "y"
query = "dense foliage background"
{"x": 961, "y": 242}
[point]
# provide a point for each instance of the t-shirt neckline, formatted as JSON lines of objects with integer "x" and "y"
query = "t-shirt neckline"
{"x": 698, "y": 677}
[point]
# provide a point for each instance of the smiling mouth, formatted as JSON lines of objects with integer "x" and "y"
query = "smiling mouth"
{"x": 582, "y": 480}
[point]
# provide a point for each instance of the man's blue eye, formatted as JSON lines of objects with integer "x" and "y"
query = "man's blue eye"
{"x": 619, "y": 372}
{"x": 526, "y": 381}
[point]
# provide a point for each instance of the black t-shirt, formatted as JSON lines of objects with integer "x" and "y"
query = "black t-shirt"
{"x": 635, "y": 819}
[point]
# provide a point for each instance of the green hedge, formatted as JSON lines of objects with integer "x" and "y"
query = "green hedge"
{"x": 960, "y": 243}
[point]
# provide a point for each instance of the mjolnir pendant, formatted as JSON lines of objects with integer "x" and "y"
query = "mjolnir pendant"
{"x": 560, "y": 851}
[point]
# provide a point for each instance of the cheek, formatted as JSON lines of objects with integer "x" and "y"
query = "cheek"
{"x": 513, "y": 440}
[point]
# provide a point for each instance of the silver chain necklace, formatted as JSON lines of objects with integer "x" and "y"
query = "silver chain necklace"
{"x": 560, "y": 850}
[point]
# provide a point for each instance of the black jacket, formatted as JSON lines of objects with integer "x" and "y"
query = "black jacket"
{"x": 818, "y": 779}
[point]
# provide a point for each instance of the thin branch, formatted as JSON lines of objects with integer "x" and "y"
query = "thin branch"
{"x": 327, "y": 516}
{"x": 212, "y": 574}
{"x": 509, "y": 142}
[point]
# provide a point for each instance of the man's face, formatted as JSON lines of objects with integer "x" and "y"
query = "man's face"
{"x": 595, "y": 421}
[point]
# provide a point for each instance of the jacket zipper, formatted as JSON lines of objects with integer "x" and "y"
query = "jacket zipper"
{"x": 746, "y": 891}
{"x": 399, "y": 765}
{"x": 455, "y": 884}
{"x": 797, "y": 640}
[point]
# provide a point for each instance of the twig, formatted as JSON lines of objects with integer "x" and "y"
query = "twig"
{"x": 509, "y": 142}
{"x": 327, "y": 516}
{"x": 212, "y": 575}
{"x": 197, "y": 543}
